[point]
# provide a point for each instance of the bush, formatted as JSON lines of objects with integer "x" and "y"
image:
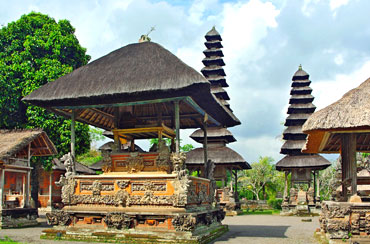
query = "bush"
{"x": 275, "y": 203}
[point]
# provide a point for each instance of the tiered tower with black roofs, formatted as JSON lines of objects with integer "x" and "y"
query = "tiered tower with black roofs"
{"x": 214, "y": 63}
{"x": 222, "y": 156}
{"x": 301, "y": 165}
{"x": 299, "y": 110}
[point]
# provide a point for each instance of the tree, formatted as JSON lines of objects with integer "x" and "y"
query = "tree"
{"x": 184, "y": 148}
{"x": 256, "y": 178}
{"x": 35, "y": 50}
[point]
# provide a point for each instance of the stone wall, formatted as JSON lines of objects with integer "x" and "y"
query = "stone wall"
{"x": 343, "y": 220}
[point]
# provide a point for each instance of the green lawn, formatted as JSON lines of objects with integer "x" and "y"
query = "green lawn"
{"x": 7, "y": 240}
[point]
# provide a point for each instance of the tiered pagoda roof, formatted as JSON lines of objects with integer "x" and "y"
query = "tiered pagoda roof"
{"x": 213, "y": 63}
{"x": 217, "y": 137}
{"x": 299, "y": 110}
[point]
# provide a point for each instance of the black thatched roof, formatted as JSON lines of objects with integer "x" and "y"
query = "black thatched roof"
{"x": 213, "y": 134}
{"x": 219, "y": 155}
{"x": 213, "y": 35}
{"x": 80, "y": 168}
{"x": 300, "y": 109}
{"x": 316, "y": 162}
{"x": 14, "y": 143}
{"x": 137, "y": 72}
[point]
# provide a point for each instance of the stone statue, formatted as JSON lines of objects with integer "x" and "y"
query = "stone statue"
{"x": 69, "y": 164}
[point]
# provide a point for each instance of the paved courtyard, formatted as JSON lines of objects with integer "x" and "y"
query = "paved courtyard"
{"x": 264, "y": 229}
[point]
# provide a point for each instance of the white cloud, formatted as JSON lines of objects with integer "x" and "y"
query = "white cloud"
{"x": 339, "y": 59}
{"x": 308, "y": 7}
{"x": 329, "y": 91}
{"x": 335, "y": 4}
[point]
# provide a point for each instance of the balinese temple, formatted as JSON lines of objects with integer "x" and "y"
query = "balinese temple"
{"x": 224, "y": 158}
{"x": 304, "y": 168}
{"x": 139, "y": 91}
{"x": 16, "y": 149}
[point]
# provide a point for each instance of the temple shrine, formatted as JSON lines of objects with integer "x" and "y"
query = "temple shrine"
{"x": 139, "y": 91}
{"x": 224, "y": 158}
{"x": 301, "y": 166}
{"x": 343, "y": 127}
{"x": 17, "y": 148}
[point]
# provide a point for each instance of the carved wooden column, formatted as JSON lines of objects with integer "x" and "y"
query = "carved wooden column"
{"x": 349, "y": 167}
{"x": 177, "y": 125}
{"x": 205, "y": 144}
{"x": 24, "y": 178}
{"x": 28, "y": 184}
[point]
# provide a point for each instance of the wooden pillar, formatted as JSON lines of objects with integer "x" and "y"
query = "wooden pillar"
{"x": 24, "y": 178}
{"x": 349, "y": 167}
{"x": 2, "y": 188}
{"x": 73, "y": 134}
{"x": 117, "y": 143}
{"x": 177, "y": 124}
{"x": 50, "y": 203}
{"x": 285, "y": 185}
{"x": 236, "y": 195}
{"x": 132, "y": 145}
{"x": 318, "y": 186}
{"x": 314, "y": 185}
{"x": 205, "y": 144}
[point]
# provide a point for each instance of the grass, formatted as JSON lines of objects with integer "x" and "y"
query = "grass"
{"x": 261, "y": 212}
{"x": 7, "y": 240}
{"x": 90, "y": 157}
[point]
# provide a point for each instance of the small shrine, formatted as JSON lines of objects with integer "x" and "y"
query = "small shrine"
{"x": 17, "y": 148}
{"x": 139, "y": 91}
{"x": 215, "y": 139}
{"x": 344, "y": 127}
{"x": 302, "y": 196}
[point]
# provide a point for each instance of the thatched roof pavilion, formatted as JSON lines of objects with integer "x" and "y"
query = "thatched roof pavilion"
{"x": 141, "y": 75}
{"x": 15, "y": 143}
{"x": 342, "y": 127}
{"x": 300, "y": 165}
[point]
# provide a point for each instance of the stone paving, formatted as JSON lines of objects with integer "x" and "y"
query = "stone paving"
{"x": 264, "y": 229}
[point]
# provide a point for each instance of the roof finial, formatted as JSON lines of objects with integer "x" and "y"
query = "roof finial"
{"x": 146, "y": 38}
{"x": 300, "y": 67}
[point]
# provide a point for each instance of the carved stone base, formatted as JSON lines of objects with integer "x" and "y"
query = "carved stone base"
{"x": 196, "y": 227}
{"x": 16, "y": 218}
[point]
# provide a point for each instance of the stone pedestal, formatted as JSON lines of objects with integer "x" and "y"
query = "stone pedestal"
{"x": 18, "y": 217}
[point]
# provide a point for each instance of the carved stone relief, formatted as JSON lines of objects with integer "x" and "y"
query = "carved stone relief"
{"x": 118, "y": 220}
{"x": 148, "y": 186}
{"x": 68, "y": 188}
{"x": 122, "y": 183}
{"x": 135, "y": 163}
{"x": 163, "y": 159}
{"x": 58, "y": 218}
{"x": 184, "y": 222}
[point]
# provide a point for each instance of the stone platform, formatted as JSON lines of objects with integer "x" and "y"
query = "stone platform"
{"x": 18, "y": 217}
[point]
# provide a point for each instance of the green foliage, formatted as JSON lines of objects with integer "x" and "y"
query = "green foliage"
{"x": 35, "y": 50}
{"x": 184, "y": 148}
{"x": 262, "y": 181}
{"x": 275, "y": 203}
{"x": 96, "y": 134}
{"x": 90, "y": 157}
{"x": 7, "y": 240}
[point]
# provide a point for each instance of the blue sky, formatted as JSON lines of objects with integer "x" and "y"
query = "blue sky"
{"x": 264, "y": 43}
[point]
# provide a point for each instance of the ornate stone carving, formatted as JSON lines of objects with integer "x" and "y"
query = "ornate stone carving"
{"x": 310, "y": 196}
{"x": 107, "y": 162}
{"x": 58, "y": 218}
{"x": 338, "y": 211}
{"x": 184, "y": 222}
{"x": 68, "y": 188}
{"x": 220, "y": 215}
{"x": 103, "y": 187}
{"x": 122, "y": 183}
{"x": 178, "y": 162}
{"x": 355, "y": 223}
{"x": 163, "y": 159}
{"x": 96, "y": 188}
{"x": 182, "y": 182}
{"x": 192, "y": 194}
{"x": 202, "y": 194}
{"x": 148, "y": 186}
{"x": 69, "y": 164}
{"x": 118, "y": 220}
{"x": 293, "y": 196}
{"x": 135, "y": 163}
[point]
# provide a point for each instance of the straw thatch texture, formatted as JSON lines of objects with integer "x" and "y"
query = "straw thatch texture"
{"x": 303, "y": 161}
{"x": 219, "y": 155}
{"x": 213, "y": 134}
{"x": 350, "y": 112}
{"x": 14, "y": 143}
{"x": 80, "y": 168}
{"x": 134, "y": 73}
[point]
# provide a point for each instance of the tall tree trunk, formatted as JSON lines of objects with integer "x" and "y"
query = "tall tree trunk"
{"x": 35, "y": 184}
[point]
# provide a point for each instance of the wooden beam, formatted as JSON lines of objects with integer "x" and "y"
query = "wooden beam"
{"x": 102, "y": 113}
{"x": 177, "y": 125}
